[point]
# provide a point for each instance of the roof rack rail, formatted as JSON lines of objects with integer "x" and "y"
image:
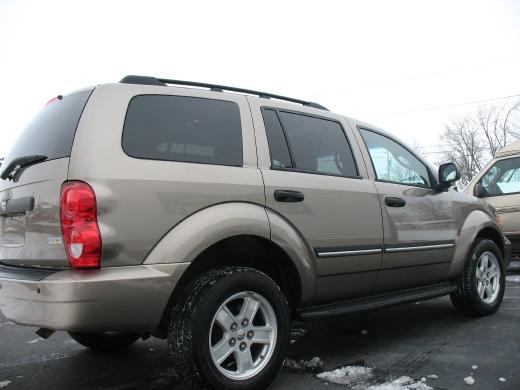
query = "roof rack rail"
{"x": 147, "y": 80}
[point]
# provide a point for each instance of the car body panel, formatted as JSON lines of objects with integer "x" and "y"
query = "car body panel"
{"x": 33, "y": 238}
{"x": 166, "y": 192}
{"x": 122, "y": 299}
{"x": 339, "y": 218}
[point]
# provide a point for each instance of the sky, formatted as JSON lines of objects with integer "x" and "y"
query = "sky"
{"x": 406, "y": 66}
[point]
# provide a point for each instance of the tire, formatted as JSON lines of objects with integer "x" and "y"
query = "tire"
{"x": 196, "y": 330}
{"x": 468, "y": 299}
{"x": 105, "y": 341}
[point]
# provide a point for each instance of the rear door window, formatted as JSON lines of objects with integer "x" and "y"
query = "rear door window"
{"x": 51, "y": 132}
{"x": 318, "y": 145}
{"x": 182, "y": 128}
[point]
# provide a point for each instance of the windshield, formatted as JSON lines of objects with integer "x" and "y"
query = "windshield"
{"x": 502, "y": 178}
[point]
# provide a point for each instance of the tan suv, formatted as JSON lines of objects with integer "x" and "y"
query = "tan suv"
{"x": 212, "y": 216}
{"x": 499, "y": 185}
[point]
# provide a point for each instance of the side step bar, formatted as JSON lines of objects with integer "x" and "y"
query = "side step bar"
{"x": 376, "y": 301}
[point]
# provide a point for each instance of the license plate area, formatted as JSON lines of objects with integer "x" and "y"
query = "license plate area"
{"x": 13, "y": 231}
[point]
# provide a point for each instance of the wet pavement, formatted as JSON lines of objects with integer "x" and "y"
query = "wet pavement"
{"x": 415, "y": 340}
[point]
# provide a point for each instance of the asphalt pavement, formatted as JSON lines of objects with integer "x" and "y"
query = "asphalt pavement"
{"x": 416, "y": 340}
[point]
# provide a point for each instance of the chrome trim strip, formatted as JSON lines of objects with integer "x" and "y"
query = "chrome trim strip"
{"x": 349, "y": 253}
{"x": 419, "y": 248}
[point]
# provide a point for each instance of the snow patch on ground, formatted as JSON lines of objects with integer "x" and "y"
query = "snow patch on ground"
{"x": 469, "y": 380}
{"x": 35, "y": 340}
{"x": 513, "y": 278}
{"x": 402, "y": 383}
{"x": 502, "y": 379}
{"x": 346, "y": 375}
{"x": 361, "y": 377}
{"x": 432, "y": 376}
{"x": 304, "y": 365}
{"x": 4, "y": 384}
{"x": 474, "y": 367}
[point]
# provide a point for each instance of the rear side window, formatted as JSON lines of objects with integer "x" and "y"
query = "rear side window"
{"x": 316, "y": 145}
{"x": 51, "y": 132}
{"x": 181, "y": 128}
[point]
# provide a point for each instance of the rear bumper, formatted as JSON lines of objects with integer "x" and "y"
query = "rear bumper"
{"x": 110, "y": 299}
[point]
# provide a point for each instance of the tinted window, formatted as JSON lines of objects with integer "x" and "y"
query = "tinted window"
{"x": 180, "y": 128}
{"x": 318, "y": 145}
{"x": 502, "y": 178}
{"x": 278, "y": 148}
{"x": 51, "y": 132}
{"x": 393, "y": 163}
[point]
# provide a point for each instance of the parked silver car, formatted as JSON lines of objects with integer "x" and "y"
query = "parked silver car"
{"x": 212, "y": 216}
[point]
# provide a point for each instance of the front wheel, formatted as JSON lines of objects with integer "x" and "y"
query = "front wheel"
{"x": 481, "y": 286}
{"x": 230, "y": 330}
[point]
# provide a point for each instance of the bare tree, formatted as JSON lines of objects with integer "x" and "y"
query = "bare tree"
{"x": 498, "y": 125}
{"x": 474, "y": 139}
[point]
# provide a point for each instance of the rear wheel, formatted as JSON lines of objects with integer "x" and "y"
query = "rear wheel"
{"x": 105, "y": 341}
{"x": 230, "y": 330}
{"x": 480, "y": 287}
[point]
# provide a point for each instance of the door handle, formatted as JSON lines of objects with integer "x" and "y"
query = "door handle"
{"x": 391, "y": 201}
{"x": 288, "y": 196}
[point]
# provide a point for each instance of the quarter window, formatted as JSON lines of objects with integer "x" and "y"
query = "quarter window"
{"x": 280, "y": 156}
{"x": 181, "y": 128}
{"x": 393, "y": 163}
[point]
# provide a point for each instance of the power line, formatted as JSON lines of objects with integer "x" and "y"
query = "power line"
{"x": 440, "y": 73}
{"x": 419, "y": 76}
{"x": 441, "y": 107}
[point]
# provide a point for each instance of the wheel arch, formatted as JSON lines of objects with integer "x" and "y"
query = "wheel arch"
{"x": 477, "y": 224}
{"x": 238, "y": 234}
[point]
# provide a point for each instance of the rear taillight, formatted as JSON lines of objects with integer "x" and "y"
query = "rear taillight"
{"x": 78, "y": 215}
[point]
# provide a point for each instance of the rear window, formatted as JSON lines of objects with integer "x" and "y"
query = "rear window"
{"x": 182, "y": 128}
{"x": 51, "y": 132}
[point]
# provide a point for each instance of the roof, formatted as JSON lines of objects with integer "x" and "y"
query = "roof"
{"x": 509, "y": 149}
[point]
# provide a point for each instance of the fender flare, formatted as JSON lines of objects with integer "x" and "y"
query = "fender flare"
{"x": 292, "y": 242}
{"x": 190, "y": 237}
{"x": 206, "y": 227}
{"x": 475, "y": 222}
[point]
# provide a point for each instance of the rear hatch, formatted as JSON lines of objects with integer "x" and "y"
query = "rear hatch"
{"x": 32, "y": 174}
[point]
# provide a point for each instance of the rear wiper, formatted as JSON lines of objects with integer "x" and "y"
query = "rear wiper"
{"x": 16, "y": 167}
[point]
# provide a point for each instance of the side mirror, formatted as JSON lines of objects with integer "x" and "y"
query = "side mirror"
{"x": 448, "y": 174}
{"x": 478, "y": 190}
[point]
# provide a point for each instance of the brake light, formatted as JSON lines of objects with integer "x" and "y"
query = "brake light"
{"x": 79, "y": 227}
